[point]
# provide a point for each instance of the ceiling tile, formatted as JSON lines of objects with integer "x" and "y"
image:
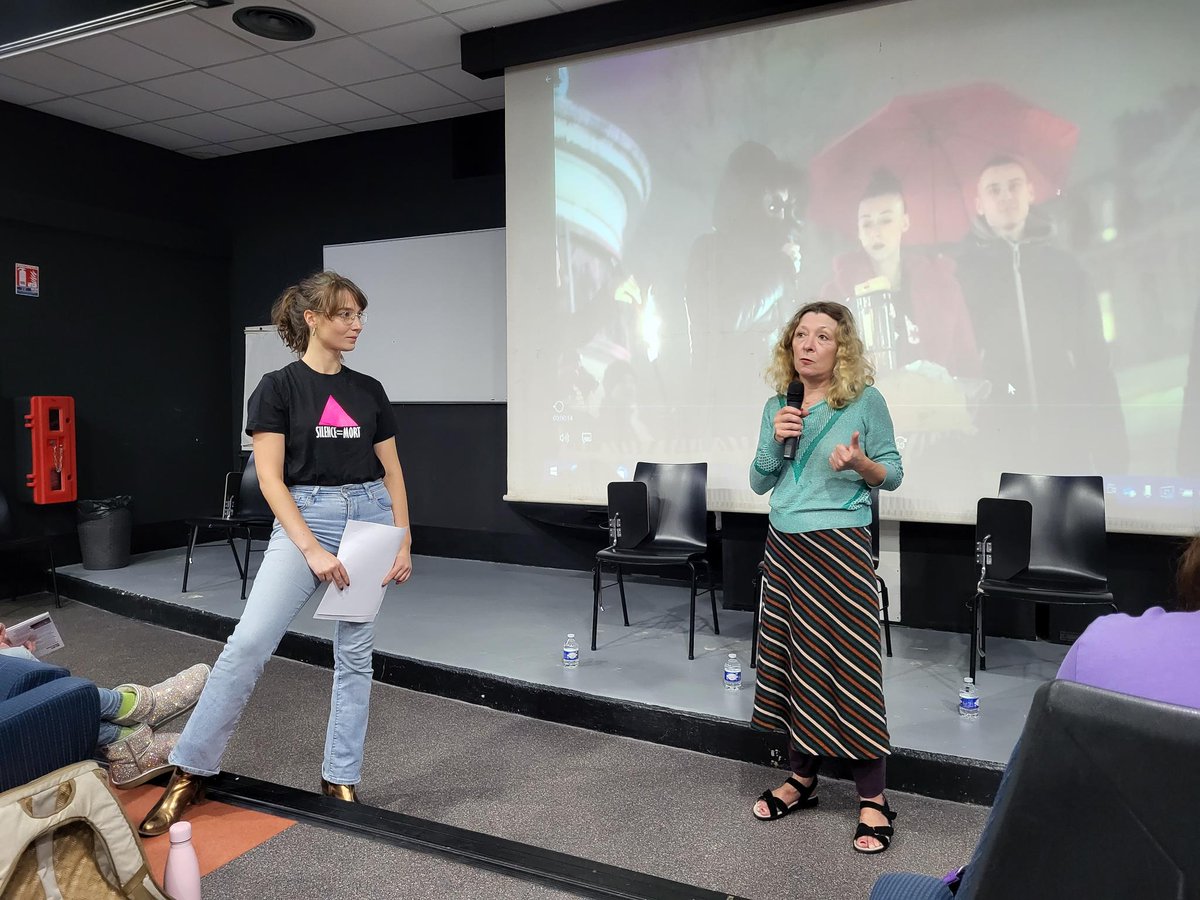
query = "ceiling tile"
{"x": 407, "y": 92}
{"x": 54, "y": 73}
{"x": 222, "y": 17}
{"x": 422, "y": 45}
{"x": 270, "y": 77}
{"x": 314, "y": 134}
{"x": 344, "y": 61}
{"x": 444, "y": 112}
{"x": 265, "y": 142}
{"x": 338, "y": 105}
{"x": 366, "y": 15}
{"x": 465, "y": 83}
{"x": 492, "y": 103}
{"x": 87, "y": 113}
{"x": 448, "y": 5}
{"x": 119, "y": 58}
{"x": 190, "y": 40}
{"x": 211, "y": 127}
{"x": 22, "y": 93}
{"x": 393, "y": 121}
{"x": 272, "y": 117}
{"x": 208, "y": 151}
{"x": 503, "y": 12}
{"x": 568, "y": 5}
{"x": 201, "y": 90}
{"x": 156, "y": 134}
{"x": 136, "y": 101}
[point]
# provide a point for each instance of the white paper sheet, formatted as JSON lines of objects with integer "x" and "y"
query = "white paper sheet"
{"x": 367, "y": 551}
{"x": 43, "y": 628}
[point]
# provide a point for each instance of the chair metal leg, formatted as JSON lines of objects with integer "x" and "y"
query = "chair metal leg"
{"x": 595, "y": 600}
{"x": 758, "y": 592}
{"x": 887, "y": 619}
{"x": 237, "y": 558}
{"x": 246, "y": 570}
{"x": 692, "y": 616}
{"x": 621, "y": 586}
{"x": 53, "y": 573}
{"x": 712, "y": 595}
{"x": 976, "y": 619}
{"x": 187, "y": 560}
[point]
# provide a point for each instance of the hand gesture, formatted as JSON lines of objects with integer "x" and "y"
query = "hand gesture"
{"x": 851, "y": 457}
{"x": 327, "y": 567}
{"x": 401, "y": 568}
{"x": 789, "y": 422}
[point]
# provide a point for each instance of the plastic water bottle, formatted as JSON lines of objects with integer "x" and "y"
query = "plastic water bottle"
{"x": 733, "y": 673}
{"x": 182, "y": 877}
{"x": 968, "y": 699}
{"x": 571, "y": 653}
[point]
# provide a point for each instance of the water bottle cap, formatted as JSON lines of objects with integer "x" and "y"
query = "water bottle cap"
{"x": 180, "y": 832}
{"x": 570, "y": 635}
{"x": 969, "y": 680}
{"x": 733, "y": 656}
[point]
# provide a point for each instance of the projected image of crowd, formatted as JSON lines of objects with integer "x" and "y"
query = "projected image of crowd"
{"x": 1003, "y": 295}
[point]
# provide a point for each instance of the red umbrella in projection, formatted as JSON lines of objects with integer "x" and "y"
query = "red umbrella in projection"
{"x": 936, "y": 144}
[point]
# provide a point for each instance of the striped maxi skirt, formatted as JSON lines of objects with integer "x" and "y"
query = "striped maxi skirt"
{"x": 820, "y": 675}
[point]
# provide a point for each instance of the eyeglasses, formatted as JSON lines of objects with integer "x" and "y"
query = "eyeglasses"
{"x": 347, "y": 316}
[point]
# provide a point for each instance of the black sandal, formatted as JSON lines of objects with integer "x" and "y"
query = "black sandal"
{"x": 881, "y": 833}
{"x": 779, "y": 809}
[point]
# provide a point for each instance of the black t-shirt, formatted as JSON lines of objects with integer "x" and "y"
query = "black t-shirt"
{"x": 330, "y": 423}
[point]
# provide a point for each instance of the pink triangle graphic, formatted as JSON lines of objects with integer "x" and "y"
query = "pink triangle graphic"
{"x": 335, "y": 415}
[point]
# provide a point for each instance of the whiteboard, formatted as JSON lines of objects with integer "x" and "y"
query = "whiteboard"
{"x": 265, "y": 352}
{"x": 436, "y": 319}
{"x": 436, "y": 315}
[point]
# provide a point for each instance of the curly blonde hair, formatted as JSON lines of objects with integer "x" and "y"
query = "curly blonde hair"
{"x": 852, "y": 371}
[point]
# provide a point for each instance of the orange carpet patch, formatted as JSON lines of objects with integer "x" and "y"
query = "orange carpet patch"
{"x": 220, "y": 832}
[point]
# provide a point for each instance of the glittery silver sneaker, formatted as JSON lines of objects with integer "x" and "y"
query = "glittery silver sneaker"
{"x": 139, "y": 757}
{"x": 167, "y": 699}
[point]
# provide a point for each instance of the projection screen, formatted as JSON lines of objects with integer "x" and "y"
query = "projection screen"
{"x": 1007, "y": 195}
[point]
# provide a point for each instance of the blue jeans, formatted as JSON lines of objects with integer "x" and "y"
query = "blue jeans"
{"x": 282, "y": 586}
{"x": 110, "y": 705}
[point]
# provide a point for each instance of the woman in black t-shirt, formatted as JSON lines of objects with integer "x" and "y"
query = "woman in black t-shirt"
{"x": 325, "y": 451}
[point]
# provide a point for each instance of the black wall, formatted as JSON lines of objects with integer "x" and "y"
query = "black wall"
{"x": 132, "y": 320}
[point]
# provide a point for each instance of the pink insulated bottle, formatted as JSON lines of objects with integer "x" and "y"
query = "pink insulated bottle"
{"x": 182, "y": 878}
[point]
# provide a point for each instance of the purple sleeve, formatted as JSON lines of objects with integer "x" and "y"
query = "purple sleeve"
{"x": 1067, "y": 671}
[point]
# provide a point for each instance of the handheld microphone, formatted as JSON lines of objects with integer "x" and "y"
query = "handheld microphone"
{"x": 795, "y": 399}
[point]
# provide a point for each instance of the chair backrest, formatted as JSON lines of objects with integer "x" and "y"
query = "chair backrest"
{"x": 1099, "y": 802}
{"x": 875, "y": 526}
{"x": 628, "y": 513}
{"x": 678, "y": 501}
{"x": 1005, "y": 526}
{"x": 251, "y": 502}
{"x": 1068, "y": 535}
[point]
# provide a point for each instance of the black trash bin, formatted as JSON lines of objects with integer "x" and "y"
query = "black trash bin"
{"x": 105, "y": 527}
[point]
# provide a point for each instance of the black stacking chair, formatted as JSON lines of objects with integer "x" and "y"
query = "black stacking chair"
{"x": 1062, "y": 547}
{"x": 11, "y": 541}
{"x": 883, "y": 591}
{"x": 674, "y": 520}
{"x": 243, "y": 509}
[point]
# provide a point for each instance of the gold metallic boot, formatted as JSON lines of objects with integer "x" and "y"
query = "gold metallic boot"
{"x": 341, "y": 791}
{"x": 183, "y": 790}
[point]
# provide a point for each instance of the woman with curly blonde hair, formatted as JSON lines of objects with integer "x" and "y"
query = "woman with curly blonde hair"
{"x": 820, "y": 674}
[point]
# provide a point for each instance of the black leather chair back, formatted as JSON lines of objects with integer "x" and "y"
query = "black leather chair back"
{"x": 678, "y": 503}
{"x": 875, "y": 526}
{"x": 1068, "y": 531}
{"x": 1099, "y": 802}
{"x": 251, "y": 502}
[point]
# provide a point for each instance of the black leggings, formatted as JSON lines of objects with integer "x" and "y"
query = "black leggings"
{"x": 869, "y": 774}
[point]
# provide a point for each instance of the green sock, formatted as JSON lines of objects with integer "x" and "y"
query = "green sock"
{"x": 128, "y": 702}
{"x": 125, "y": 732}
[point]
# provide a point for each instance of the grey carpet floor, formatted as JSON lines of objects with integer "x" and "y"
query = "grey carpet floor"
{"x": 672, "y": 813}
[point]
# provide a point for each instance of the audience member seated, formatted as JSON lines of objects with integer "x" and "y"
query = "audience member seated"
{"x": 130, "y": 714}
{"x": 1154, "y": 655}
